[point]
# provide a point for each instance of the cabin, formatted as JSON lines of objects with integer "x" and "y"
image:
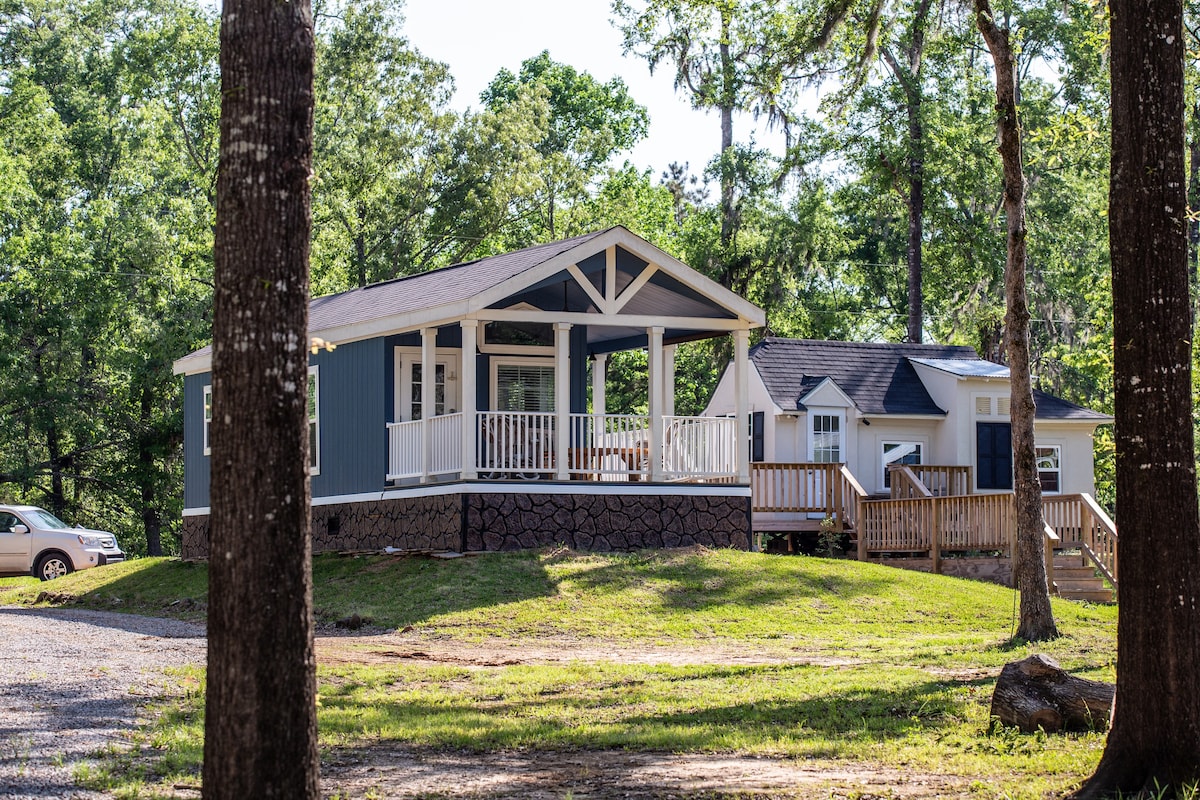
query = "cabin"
{"x": 463, "y": 409}
{"x": 907, "y": 447}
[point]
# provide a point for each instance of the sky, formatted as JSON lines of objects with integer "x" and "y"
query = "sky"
{"x": 476, "y": 38}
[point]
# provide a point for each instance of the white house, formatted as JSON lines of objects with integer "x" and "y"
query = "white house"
{"x": 869, "y": 405}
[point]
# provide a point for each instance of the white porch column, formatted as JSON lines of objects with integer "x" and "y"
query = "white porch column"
{"x": 562, "y": 398}
{"x": 468, "y": 388}
{"x": 655, "y": 382}
{"x": 669, "y": 380}
{"x": 428, "y": 370}
{"x": 741, "y": 379}
{"x": 599, "y": 377}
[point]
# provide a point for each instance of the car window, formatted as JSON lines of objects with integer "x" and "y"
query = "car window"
{"x": 40, "y": 518}
{"x": 7, "y": 521}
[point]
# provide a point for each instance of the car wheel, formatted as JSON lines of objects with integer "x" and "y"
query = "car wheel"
{"x": 53, "y": 565}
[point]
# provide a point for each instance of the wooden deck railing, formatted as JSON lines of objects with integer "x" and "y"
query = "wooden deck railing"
{"x": 944, "y": 480}
{"x": 905, "y": 483}
{"x": 798, "y": 488}
{"x": 935, "y": 524}
{"x": 1080, "y": 522}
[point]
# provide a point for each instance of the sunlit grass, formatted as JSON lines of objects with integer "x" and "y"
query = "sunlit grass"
{"x": 873, "y": 665}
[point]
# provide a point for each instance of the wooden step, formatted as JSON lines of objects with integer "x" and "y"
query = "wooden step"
{"x": 1078, "y": 584}
{"x": 1075, "y": 574}
{"x": 1091, "y": 596}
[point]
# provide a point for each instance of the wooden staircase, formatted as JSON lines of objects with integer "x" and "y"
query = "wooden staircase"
{"x": 1075, "y": 578}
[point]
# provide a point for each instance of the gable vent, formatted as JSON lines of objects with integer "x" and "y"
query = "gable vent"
{"x": 1002, "y": 406}
{"x": 983, "y": 406}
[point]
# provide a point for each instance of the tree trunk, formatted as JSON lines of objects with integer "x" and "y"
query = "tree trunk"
{"x": 916, "y": 217}
{"x": 151, "y": 519}
{"x": 915, "y": 95}
{"x": 1029, "y": 570}
{"x": 1037, "y": 693}
{"x": 260, "y": 720}
{"x": 1155, "y": 736}
{"x": 728, "y": 171}
{"x": 1194, "y": 204}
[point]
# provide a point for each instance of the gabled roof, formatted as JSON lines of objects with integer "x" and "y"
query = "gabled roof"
{"x": 661, "y": 287}
{"x": 877, "y": 377}
{"x": 880, "y": 377}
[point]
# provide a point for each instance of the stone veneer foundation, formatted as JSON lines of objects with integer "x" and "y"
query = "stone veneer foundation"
{"x": 493, "y": 521}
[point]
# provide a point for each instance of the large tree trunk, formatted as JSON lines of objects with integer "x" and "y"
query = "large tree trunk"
{"x": 1155, "y": 736}
{"x": 1029, "y": 569}
{"x": 260, "y": 720}
{"x": 727, "y": 104}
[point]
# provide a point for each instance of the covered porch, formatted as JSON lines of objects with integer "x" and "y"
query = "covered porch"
{"x": 520, "y": 374}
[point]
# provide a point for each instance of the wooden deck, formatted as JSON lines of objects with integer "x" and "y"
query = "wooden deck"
{"x": 919, "y": 521}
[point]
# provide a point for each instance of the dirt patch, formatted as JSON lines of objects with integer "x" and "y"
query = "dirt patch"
{"x": 399, "y": 647}
{"x": 382, "y": 772}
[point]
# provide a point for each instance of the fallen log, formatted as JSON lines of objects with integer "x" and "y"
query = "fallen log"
{"x": 1037, "y": 693}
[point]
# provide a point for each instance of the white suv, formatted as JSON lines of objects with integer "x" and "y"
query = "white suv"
{"x": 34, "y": 541}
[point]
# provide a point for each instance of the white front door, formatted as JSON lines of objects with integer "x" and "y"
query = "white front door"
{"x": 409, "y": 380}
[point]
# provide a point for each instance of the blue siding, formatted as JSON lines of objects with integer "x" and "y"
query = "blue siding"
{"x": 195, "y": 463}
{"x": 353, "y": 419}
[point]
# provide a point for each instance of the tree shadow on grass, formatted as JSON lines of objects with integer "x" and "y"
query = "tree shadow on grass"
{"x": 693, "y": 715}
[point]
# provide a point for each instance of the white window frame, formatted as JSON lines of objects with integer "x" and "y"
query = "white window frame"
{"x": 314, "y": 420}
{"x": 1058, "y": 469}
{"x": 834, "y": 413}
{"x": 514, "y": 361}
{"x": 883, "y": 462}
{"x": 405, "y": 358}
{"x": 206, "y": 413}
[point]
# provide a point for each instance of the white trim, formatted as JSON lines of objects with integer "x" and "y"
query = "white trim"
{"x": 526, "y": 487}
{"x": 588, "y": 288}
{"x": 206, "y": 416}
{"x": 573, "y": 487}
{"x": 403, "y": 359}
{"x": 493, "y": 369}
{"x": 849, "y": 401}
{"x": 476, "y": 307}
{"x": 634, "y": 287}
{"x": 612, "y": 320}
{"x": 314, "y": 371}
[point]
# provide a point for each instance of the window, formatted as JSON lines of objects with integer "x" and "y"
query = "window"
{"x": 827, "y": 438}
{"x": 524, "y": 387}
{"x": 207, "y": 416}
{"x": 314, "y": 421}
{"x": 899, "y": 453}
{"x": 527, "y": 334}
{"x": 439, "y": 391}
{"x": 1049, "y": 467}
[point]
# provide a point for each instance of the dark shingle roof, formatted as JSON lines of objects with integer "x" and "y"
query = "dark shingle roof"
{"x": 878, "y": 377}
{"x": 1051, "y": 407}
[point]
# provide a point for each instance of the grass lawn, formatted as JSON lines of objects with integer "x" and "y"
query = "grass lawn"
{"x": 857, "y": 663}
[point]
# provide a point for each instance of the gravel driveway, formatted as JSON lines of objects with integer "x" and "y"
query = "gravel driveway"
{"x": 70, "y": 684}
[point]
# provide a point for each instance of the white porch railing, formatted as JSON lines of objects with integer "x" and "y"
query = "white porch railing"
{"x": 603, "y": 447}
{"x": 514, "y": 444}
{"x": 406, "y": 446}
{"x": 609, "y": 447}
{"x": 699, "y": 447}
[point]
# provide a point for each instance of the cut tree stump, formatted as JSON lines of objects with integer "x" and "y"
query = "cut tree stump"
{"x": 1037, "y": 693}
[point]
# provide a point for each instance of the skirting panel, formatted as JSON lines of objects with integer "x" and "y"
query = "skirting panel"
{"x": 512, "y": 521}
